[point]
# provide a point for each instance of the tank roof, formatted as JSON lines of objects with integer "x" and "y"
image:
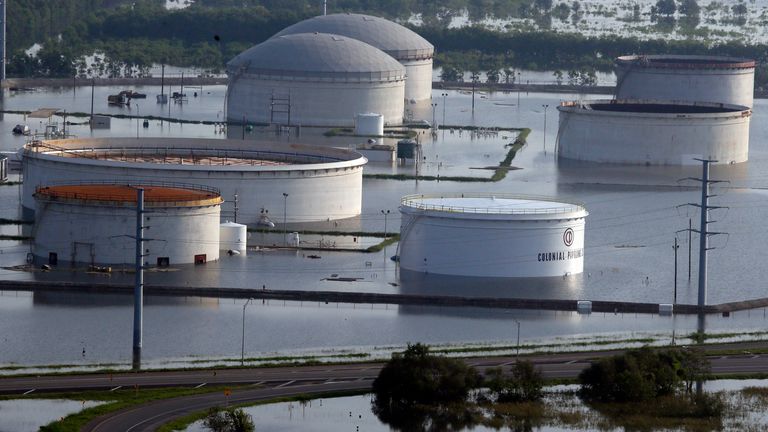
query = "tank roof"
{"x": 653, "y": 106}
{"x": 497, "y": 204}
{"x": 400, "y": 42}
{"x": 312, "y": 56}
{"x": 674, "y": 61}
{"x": 161, "y": 195}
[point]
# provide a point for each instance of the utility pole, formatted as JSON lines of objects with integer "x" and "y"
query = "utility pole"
{"x": 690, "y": 235}
{"x": 674, "y": 300}
{"x": 703, "y": 231}
{"x": 545, "y": 127}
{"x": 285, "y": 219}
{"x": 444, "y": 95}
{"x": 93, "y": 84}
{"x": 385, "y": 213}
{"x": 138, "y": 288}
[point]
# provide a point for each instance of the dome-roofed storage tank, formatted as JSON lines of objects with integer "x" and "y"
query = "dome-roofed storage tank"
{"x": 92, "y": 223}
{"x": 407, "y": 47}
{"x": 649, "y": 132}
{"x": 686, "y": 78}
{"x": 491, "y": 235}
{"x": 314, "y": 79}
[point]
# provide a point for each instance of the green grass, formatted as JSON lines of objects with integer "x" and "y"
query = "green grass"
{"x": 499, "y": 173}
{"x": 386, "y": 242}
{"x": 116, "y": 400}
{"x": 182, "y": 423}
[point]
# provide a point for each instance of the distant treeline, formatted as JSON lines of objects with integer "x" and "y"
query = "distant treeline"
{"x": 210, "y": 32}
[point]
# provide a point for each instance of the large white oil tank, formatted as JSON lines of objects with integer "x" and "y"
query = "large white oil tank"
{"x": 369, "y": 124}
{"x": 403, "y": 44}
{"x": 92, "y": 223}
{"x": 652, "y": 132}
{"x": 687, "y": 78}
{"x": 491, "y": 235}
{"x": 233, "y": 236}
{"x": 314, "y": 79}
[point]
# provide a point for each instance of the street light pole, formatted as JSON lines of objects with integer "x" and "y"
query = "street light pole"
{"x": 444, "y": 96}
{"x": 675, "y": 247}
{"x": 434, "y": 105}
{"x": 385, "y": 213}
{"x": 517, "y": 355}
{"x": 242, "y": 344}
{"x": 285, "y": 219}
{"x": 138, "y": 118}
{"x": 545, "y": 127}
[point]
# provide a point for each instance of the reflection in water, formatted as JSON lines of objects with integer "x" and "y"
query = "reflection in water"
{"x": 570, "y": 287}
{"x": 89, "y": 299}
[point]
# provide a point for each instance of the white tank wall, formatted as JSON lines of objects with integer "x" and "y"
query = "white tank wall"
{"x": 418, "y": 83}
{"x": 452, "y": 245}
{"x": 179, "y": 233}
{"x": 316, "y": 192}
{"x": 314, "y": 103}
{"x": 729, "y": 86}
{"x": 653, "y": 139}
{"x": 233, "y": 236}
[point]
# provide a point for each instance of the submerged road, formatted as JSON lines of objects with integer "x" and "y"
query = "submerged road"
{"x": 259, "y": 384}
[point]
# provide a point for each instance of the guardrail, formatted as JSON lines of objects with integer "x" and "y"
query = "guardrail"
{"x": 415, "y": 201}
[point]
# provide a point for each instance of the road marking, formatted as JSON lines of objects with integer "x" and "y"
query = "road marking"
{"x": 508, "y": 363}
{"x": 572, "y": 362}
{"x": 118, "y": 387}
{"x": 198, "y": 386}
{"x": 286, "y": 384}
{"x": 258, "y": 383}
{"x": 28, "y": 392}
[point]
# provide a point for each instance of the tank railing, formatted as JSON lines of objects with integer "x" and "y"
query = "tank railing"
{"x": 180, "y": 197}
{"x": 127, "y": 153}
{"x": 414, "y": 201}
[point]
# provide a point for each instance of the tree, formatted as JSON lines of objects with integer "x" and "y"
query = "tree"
{"x": 524, "y": 385}
{"x": 664, "y": 7}
{"x": 230, "y": 420}
{"x": 640, "y": 375}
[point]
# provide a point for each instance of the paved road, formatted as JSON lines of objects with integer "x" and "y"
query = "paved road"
{"x": 267, "y": 383}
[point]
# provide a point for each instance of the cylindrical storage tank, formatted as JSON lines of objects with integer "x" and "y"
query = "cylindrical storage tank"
{"x": 491, "y": 235}
{"x": 314, "y": 79}
{"x": 233, "y": 236}
{"x": 404, "y": 45}
{"x": 369, "y": 124}
{"x": 91, "y": 223}
{"x": 686, "y": 78}
{"x": 308, "y": 183}
{"x": 650, "y": 132}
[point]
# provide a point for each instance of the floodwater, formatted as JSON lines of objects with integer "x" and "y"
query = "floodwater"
{"x": 634, "y": 219}
{"x": 354, "y": 413}
{"x": 29, "y": 415}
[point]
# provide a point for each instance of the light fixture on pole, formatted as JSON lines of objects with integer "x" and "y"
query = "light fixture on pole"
{"x": 285, "y": 219}
{"x": 385, "y": 213}
{"x": 242, "y": 344}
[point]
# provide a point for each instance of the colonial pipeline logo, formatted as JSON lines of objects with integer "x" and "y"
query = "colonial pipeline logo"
{"x": 562, "y": 255}
{"x": 568, "y": 237}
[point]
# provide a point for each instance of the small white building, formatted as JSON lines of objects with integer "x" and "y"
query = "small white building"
{"x": 91, "y": 224}
{"x": 491, "y": 235}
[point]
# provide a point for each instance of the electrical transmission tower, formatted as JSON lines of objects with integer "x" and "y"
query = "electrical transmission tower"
{"x": 703, "y": 230}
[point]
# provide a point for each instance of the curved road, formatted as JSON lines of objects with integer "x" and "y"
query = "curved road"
{"x": 268, "y": 383}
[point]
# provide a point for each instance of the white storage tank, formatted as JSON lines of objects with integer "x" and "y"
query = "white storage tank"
{"x": 491, "y": 235}
{"x": 91, "y": 224}
{"x": 652, "y": 132}
{"x": 369, "y": 124}
{"x": 233, "y": 236}
{"x": 314, "y": 79}
{"x": 309, "y": 183}
{"x": 406, "y": 46}
{"x": 687, "y": 78}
